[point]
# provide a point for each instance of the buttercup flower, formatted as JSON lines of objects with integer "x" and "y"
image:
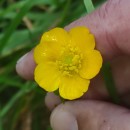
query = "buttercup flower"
{"x": 67, "y": 61}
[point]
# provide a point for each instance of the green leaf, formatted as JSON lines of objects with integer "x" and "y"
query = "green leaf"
{"x": 6, "y": 13}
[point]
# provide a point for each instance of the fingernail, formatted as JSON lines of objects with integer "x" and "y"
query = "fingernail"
{"x": 22, "y": 58}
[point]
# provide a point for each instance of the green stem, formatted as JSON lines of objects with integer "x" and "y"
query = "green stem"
{"x": 89, "y": 5}
{"x": 110, "y": 84}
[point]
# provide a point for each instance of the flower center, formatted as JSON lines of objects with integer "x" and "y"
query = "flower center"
{"x": 70, "y": 61}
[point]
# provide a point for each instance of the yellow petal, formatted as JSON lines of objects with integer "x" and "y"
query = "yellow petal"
{"x": 91, "y": 64}
{"x": 82, "y": 38}
{"x": 73, "y": 87}
{"x": 57, "y": 35}
{"x": 49, "y": 51}
{"x": 47, "y": 76}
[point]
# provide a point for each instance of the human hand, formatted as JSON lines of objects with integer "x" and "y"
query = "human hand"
{"x": 111, "y": 28}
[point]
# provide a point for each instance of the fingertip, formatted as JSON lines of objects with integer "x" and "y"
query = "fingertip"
{"x": 52, "y": 100}
{"x": 25, "y": 66}
{"x": 61, "y": 119}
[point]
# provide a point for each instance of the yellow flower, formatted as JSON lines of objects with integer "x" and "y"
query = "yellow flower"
{"x": 67, "y": 60}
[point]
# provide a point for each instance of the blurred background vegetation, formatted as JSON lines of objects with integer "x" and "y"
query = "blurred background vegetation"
{"x": 22, "y": 23}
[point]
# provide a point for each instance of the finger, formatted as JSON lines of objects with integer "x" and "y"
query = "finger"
{"x": 90, "y": 115}
{"x": 52, "y": 100}
{"x": 25, "y": 66}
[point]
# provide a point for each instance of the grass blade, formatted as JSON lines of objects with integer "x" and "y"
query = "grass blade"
{"x": 89, "y": 5}
{"x": 16, "y": 21}
{"x": 16, "y": 97}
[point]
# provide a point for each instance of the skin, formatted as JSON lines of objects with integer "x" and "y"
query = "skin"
{"x": 111, "y": 28}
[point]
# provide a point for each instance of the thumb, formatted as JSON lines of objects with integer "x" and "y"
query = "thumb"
{"x": 90, "y": 115}
{"x": 110, "y": 26}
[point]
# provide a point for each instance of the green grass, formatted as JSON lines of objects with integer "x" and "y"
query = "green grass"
{"x": 22, "y": 23}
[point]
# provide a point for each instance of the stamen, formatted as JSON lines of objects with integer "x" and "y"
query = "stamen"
{"x": 70, "y": 61}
